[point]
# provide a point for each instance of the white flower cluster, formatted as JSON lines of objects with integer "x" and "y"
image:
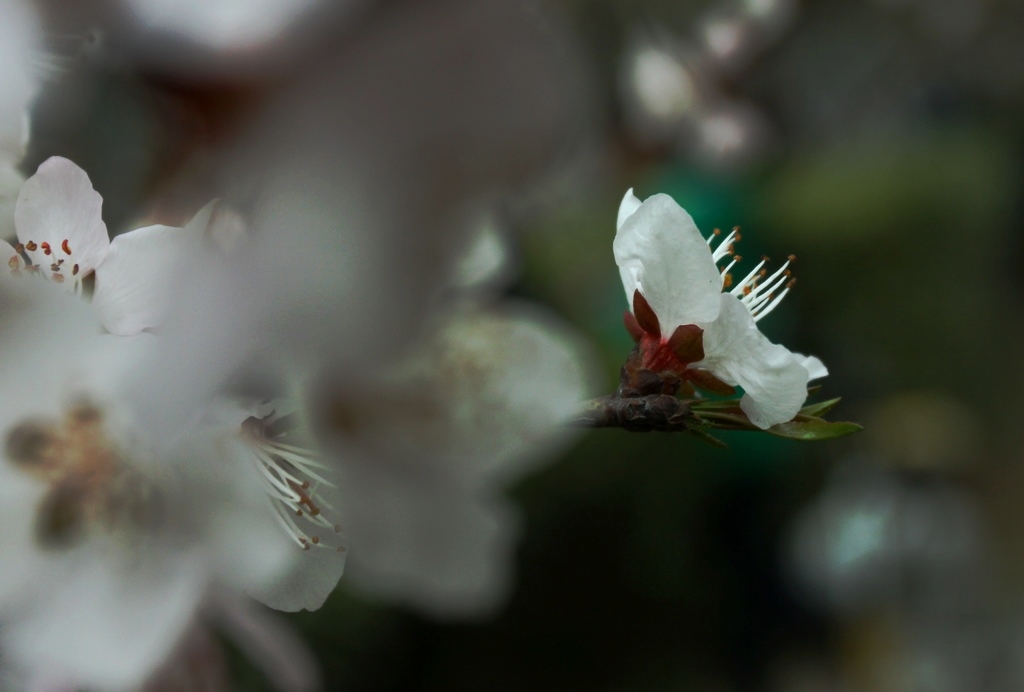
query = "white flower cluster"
{"x": 192, "y": 416}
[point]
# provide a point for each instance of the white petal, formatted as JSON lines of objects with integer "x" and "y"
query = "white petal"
{"x": 660, "y": 251}
{"x": 220, "y": 24}
{"x": 59, "y": 204}
{"x": 419, "y": 537}
{"x": 134, "y": 282}
{"x": 627, "y": 206}
{"x": 11, "y": 181}
{"x": 508, "y": 381}
{"x": 813, "y": 365}
{"x": 107, "y": 622}
{"x": 315, "y": 572}
{"x": 774, "y": 381}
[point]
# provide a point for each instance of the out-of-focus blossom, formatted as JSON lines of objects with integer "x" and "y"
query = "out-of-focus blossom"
{"x": 427, "y": 449}
{"x": 733, "y": 33}
{"x": 686, "y": 323}
{"x": 875, "y": 539}
{"x": 112, "y": 538}
{"x": 370, "y": 197}
{"x": 59, "y": 219}
{"x": 223, "y": 38}
{"x": 662, "y": 86}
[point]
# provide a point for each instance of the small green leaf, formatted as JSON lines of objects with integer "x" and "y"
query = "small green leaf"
{"x": 819, "y": 409}
{"x": 814, "y": 429}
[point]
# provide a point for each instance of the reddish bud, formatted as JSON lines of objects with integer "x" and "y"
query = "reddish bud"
{"x": 645, "y": 316}
{"x": 687, "y": 343}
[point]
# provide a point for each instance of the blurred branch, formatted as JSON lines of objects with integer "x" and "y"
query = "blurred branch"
{"x": 651, "y": 413}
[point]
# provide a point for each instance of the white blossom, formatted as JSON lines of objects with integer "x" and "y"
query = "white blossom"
{"x": 426, "y": 450}
{"x": 662, "y": 256}
{"x": 112, "y": 538}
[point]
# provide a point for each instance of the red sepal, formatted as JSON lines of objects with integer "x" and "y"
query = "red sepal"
{"x": 687, "y": 343}
{"x": 645, "y": 316}
{"x": 632, "y": 326}
{"x": 708, "y": 382}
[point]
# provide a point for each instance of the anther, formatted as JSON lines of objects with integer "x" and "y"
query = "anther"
{"x": 74, "y": 270}
{"x": 19, "y": 248}
{"x": 65, "y": 247}
{"x": 59, "y": 278}
{"x": 14, "y": 262}
{"x": 792, "y": 258}
{"x": 316, "y": 540}
{"x": 46, "y": 248}
{"x": 27, "y": 443}
{"x": 727, "y": 282}
{"x": 31, "y": 246}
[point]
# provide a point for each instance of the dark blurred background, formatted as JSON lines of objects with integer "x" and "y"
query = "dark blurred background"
{"x": 880, "y": 141}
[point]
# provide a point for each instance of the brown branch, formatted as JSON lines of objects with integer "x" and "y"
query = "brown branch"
{"x": 650, "y": 413}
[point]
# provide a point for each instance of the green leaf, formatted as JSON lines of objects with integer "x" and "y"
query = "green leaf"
{"x": 814, "y": 430}
{"x": 819, "y": 409}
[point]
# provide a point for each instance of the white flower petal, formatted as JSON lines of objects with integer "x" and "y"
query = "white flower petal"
{"x": 59, "y": 204}
{"x": 509, "y": 380}
{"x": 11, "y": 181}
{"x": 813, "y": 365}
{"x": 107, "y": 622}
{"x": 660, "y": 252}
{"x": 627, "y": 206}
{"x": 312, "y": 578}
{"x": 773, "y": 379}
{"x": 419, "y": 537}
{"x": 220, "y": 24}
{"x": 134, "y": 281}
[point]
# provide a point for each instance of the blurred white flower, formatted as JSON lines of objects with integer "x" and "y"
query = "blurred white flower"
{"x": 112, "y": 538}
{"x": 59, "y": 225}
{"x": 427, "y": 449}
{"x": 221, "y": 24}
{"x": 686, "y": 323}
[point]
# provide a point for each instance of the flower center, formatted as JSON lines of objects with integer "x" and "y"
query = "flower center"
{"x": 45, "y": 260}
{"x": 292, "y": 479}
{"x": 89, "y": 483}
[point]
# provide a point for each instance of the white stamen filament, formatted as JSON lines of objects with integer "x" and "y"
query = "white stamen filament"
{"x": 725, "y": 247}
{"x": 291, "y": 484}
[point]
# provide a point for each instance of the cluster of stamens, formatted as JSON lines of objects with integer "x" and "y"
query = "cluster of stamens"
{"x": 758, "y": 291}
{"x": 60, "y": 268}
{"x": 88, "y": 482}
{"x": 291, "y": 477}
